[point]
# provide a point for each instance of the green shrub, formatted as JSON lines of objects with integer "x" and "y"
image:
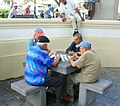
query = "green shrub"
{"x": 118, "y": 15}
{"x": 4, "y": 12}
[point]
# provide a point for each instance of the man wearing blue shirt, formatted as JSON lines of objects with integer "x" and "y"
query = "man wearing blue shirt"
{"x": 49, "y": 11}
{"x": 90, "y": 6}
{"x": 36, "y": 71}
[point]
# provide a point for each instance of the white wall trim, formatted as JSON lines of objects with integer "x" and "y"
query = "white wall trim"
{"x": 54, "y": 23}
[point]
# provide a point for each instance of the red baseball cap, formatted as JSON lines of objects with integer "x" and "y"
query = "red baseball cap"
{"x": 39, "y": 31}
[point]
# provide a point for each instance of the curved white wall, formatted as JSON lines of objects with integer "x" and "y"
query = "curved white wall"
{"x": 104, "y": 36}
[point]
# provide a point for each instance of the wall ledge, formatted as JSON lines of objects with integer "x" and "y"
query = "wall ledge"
{"x": 54, "y": 23}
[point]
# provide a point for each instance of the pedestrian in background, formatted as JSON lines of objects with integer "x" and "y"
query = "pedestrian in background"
{"x": 50, "y": 12}
{"x": 13, "y": 11}
{"x": 27, "y": 10}
{"x": 90, "y": 6}
{"x": 69, "y": 10}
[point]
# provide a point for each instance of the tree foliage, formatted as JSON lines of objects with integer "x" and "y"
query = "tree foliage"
{"x": 9, "y": 2}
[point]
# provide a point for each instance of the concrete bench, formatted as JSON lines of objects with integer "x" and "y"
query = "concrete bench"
{"x": 34, "y": 95}
{"x": 87, "y": 92}
{"x": 24, "y": 16}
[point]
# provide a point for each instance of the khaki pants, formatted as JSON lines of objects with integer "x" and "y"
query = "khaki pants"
{"x": 72, "y": 79}
{"x": 75, "y": 20}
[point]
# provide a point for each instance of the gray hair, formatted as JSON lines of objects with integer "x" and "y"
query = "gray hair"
{"x": 78, "y": 34}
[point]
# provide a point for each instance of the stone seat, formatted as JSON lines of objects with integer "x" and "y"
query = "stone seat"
{"x": 35, "y": 95}
{"x": 87, "y": 92}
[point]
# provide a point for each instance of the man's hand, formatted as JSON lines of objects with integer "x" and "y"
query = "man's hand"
{"x": 71, "y": 53}
{"x": 75, "y": 56}
{"x": 82, "y": 19}
{"x": 97, "y": 0}
{"x": 71, "y": 62}
{"x": 56, "y": 61}
{"x": 77, "y": 10}
{"x": 64, "y": 19}
{"x": 59, "y": 58}
{"x": 51, "y": 53}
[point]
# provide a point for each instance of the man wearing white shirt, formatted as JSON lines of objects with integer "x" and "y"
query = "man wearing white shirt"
{"x": 69, "y": 10}
{"x": 13, "y": 11}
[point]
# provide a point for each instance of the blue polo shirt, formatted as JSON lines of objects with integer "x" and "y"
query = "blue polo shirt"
{"x": 49, "y": 10}
{"x": 90, "y": 0}
{"x": 37, "y": 63}
{"x": 31, "y": 42}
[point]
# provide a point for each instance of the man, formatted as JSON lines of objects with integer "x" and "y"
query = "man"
{"x": 27, "y": 10}
{"x": 57, "y": 13}
{"x": 47, "y": 14}
{"x": 33, "y": 41}
{"x": 90, "y": 6}
{"x": 69, "y": 10}
{"x": 13, "y": 11}
{"x": 72, "y": 50}
{"x": 36, "y": 71}
{"x": 89, "y": 64}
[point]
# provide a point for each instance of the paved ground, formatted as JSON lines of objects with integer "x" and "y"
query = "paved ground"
{"x": 8, "y": 97}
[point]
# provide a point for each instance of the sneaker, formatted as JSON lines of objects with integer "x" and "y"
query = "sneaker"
{"x": 89, "y": 18}
{"x": 75, "y": 31}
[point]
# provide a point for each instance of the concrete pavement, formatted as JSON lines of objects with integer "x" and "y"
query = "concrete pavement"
{"x": 8, "y": 97}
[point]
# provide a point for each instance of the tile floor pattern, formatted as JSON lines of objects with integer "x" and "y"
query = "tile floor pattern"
{"x": 8, "y": 97}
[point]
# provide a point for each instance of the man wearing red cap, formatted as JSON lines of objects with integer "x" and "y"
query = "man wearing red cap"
{"x": 32, "y": 42}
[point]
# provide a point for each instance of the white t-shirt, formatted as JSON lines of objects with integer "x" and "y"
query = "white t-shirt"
{"x": 69, "y": 8}
{"x": 13, "y": 12}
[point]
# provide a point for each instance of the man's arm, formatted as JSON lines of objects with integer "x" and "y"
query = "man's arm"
{"x": 29, "y": 43}
{"x": 70, "y": 49}
{"x": 56, "y": 61}
{"x": 10, "y": 14}
{"x": 58, "y": 2}
{"x": 77, "y": 10}
{"x": 71, "y": 62}
{"x": 63, "y": 17}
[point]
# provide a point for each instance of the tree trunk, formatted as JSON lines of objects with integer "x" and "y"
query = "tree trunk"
{"x": 11, "y": 4}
